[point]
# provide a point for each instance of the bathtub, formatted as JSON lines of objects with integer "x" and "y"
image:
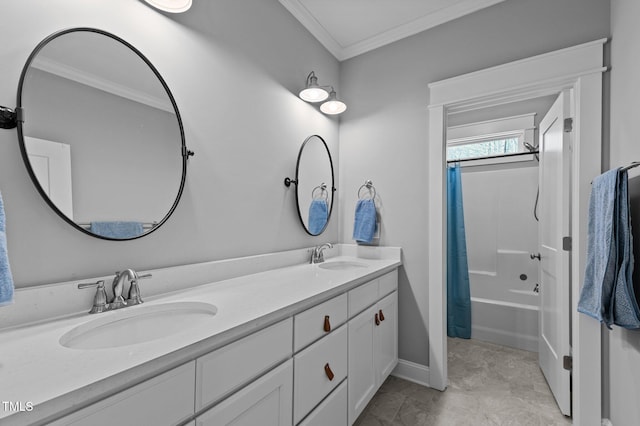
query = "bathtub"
{"x": 504, "y": 307}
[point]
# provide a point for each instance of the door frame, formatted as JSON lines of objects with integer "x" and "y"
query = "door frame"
{"x": 579, "y": 68}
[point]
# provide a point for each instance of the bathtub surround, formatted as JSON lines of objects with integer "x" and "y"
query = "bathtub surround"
{"x": 6, "y": 280}
{"x": 501, "y": 234}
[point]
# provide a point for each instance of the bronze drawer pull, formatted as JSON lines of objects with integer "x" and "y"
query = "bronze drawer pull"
{"x": 328, "y": 372}
{"x": 381, "y": 315}
{"x": 327, "y": 324}
{"x": 377, "y": 320}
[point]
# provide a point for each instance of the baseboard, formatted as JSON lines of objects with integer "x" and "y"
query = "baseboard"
{"x": 416, "y": 373}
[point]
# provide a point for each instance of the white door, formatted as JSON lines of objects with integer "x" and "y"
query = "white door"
{"x": 51, "y": 163}
{"x": 554, "y": 318}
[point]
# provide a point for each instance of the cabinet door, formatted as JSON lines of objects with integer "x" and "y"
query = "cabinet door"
{"x": 362, "y": 368}
{"x": 387, "y": 337}
{"x": 265, "y": 402}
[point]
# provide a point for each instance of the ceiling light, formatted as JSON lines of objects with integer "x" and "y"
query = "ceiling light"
{"x": 171, "y": 6}
{"x": 333, "y": 106}
{"x": 312, "y": 91}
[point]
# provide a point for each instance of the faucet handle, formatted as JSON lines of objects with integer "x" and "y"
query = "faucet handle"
{"x": 100, "y": 299}
{"x": 134, "y": 290}
{"x": 134, "y": 294}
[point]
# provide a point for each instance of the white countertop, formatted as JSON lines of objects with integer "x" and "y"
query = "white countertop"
{"x": 36, "y": 368}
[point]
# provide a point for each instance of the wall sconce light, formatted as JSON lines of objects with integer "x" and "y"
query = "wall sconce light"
{"x": 171, "y": 6}
{"x": 313, "y": 92}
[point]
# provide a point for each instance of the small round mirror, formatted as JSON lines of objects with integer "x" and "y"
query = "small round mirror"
{"x": 315, "y": 185}
{"x": 100, "y": 134}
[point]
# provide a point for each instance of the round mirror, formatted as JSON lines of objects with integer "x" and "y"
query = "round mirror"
{"x": 315, "y": 185}
{"x": 100, "y": 134}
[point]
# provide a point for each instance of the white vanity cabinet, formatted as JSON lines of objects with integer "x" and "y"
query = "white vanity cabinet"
{"x": 373, "y": 341}
{"x": 318, "y": 368}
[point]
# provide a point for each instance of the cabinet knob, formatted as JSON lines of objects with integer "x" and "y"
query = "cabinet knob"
{"x": 327, "y": 324}
{"x": 377, "y": 319}
{"x": 328, "y": 372}
{"x": 381, "y": 315}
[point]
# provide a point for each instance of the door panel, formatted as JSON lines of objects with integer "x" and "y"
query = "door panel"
{"x": 555, "y": 284}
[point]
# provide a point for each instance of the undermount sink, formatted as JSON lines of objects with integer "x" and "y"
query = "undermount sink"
{"x": 342, "y": 265}
{"x": 137, "y": 324}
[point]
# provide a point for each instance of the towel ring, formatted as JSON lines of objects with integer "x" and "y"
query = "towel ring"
{"x": 323, "y": 192}
{"x": 369, "y": 185}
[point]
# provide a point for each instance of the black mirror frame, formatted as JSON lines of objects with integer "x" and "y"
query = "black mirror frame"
{"x": 333, "y": 182}
{"x": 185, "y": 152}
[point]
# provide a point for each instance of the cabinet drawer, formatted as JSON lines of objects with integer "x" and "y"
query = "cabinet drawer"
{"x": 228, "y": 368}
{"x": 362, "y": 297}
{"x": 164, "y": 400}
{"x": 311, "y": 379}
{"x": 388, "y": 283}
{"x": 332, "y": 411}
{"x": 309, "y": 326}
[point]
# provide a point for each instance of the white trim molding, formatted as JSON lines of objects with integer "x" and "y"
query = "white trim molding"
{"x": 413, "y": 372}
{"x": 580, "y": 69}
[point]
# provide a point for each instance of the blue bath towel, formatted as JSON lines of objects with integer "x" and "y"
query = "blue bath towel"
{"x": 6, "y": 280}
{"x": 118, "y": 230}
{"x": 364, "y": 226}
{"x": 318, "y": 216}
{"x": 607, "y": 293}
{"x": 625, "y": 307}
{"x": 601, "y": 272}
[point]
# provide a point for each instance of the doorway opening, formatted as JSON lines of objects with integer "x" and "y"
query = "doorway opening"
{"x": 578, "y": 69}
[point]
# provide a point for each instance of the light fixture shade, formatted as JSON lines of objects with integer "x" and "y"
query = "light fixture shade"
{"x": 171, "y": 6}
{"x": 313, "y": 92}
{"x": 333, "y": 106}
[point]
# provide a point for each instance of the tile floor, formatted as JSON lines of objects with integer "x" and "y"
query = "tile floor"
{"x": 488, "y": 385}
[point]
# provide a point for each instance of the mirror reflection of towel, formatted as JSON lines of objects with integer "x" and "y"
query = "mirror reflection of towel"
{"x": 117, "y": 229}
{"x": 6, "y": 280}
{"x": 318, "y": 216}
{"x": 364, "y": 226}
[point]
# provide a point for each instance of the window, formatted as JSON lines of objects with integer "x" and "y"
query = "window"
{"x": 492, "y": 138}
{"x": 483, "y": 148}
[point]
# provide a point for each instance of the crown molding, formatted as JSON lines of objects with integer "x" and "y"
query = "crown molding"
{"x": 88, "y": 79}
{"x": 449, "y": 13}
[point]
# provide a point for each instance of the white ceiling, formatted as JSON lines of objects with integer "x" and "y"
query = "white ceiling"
{"x": 348, "y": 28}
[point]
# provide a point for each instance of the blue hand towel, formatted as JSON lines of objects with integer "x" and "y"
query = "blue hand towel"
{"x": 601, "y": 271}
{"x": 117, "y": 229}
{"x": 364, "y": 226}
{"x": 6, "y": 280}
{"x": 318, "y": 216}
{"x": 625, "y": 307}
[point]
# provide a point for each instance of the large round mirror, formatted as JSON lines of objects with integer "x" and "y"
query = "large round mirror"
{"x": 100, "y": 134}
{"x": 315, "y": 185}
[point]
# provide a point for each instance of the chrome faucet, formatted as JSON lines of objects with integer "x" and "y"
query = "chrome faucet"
{"x": 100, "y": 300}
{"x": 317, "y": 253}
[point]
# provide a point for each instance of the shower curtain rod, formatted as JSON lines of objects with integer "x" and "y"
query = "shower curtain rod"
{"x": 517, "y": 154}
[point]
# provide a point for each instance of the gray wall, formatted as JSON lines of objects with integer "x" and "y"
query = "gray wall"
{"x": 624, "y": 345}
{"x": 383, "y": 134}
{"x": 235, "y": 68}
